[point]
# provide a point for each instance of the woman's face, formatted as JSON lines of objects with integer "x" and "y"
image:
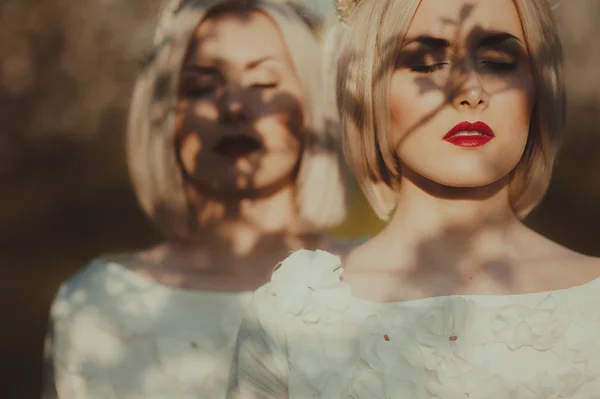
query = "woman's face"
{"x": 240, "y": 107}
{"x": 462, "y": 92}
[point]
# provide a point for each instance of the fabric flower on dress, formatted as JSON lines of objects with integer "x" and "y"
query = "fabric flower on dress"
{"x": 190, "y": 358}
{"x": 311, "y": 371}
{"x": 368, "y": 384}
{"x": 450, "y": 342}
{"x": 400, "y": 382}
{"x": 134, "y": 314}
{"x": 539, "y": 328}
{"x": 480, "y": 383}
{"x": 307, "y": 284}
{"x": 553, "y": 385}
{"x": 384, "y": 339}
{"x": 581, "y": 342}
{"x": 325, "y": 386}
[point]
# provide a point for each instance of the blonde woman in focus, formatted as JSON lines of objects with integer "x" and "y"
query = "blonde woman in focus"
{"x": 233, "y": 156}
{"x": 451, "y": 114}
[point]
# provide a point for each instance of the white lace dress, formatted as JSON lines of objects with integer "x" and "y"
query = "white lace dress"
{"x": 120, "y": 336}
{"x": 308, "y": 337}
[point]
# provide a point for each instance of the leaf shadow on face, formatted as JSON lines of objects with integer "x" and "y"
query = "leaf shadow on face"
{"x": 273, "y": 244}
{"x": 135, "y": 323}
{"x": 434, "y": 251}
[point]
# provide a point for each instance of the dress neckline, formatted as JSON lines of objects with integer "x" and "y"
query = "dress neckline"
{"x": 114, "y": 266}
{"x": 483, "y": 299}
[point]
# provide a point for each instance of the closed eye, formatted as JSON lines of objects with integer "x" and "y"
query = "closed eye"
{"x": 262, "y": 86}
{"x": 425, "y": 69}
{"x": 500, "y": 66}
{"x": 194, "y": 92}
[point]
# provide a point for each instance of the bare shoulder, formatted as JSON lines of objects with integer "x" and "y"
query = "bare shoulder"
{"x": 579, "y": 269}
{"x": 587, "y": 266}
{"x": 565, "y": 267}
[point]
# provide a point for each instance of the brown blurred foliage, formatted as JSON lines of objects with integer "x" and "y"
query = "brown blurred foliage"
{"x": 66, "y": 74}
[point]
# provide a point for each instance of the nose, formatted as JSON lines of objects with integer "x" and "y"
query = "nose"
{"x": 233, "y": 108}
{"x": 470, "y": 93}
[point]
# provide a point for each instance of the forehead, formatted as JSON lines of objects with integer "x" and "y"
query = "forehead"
{"x": 451, "y": 19}
{"x": 237, "y": 36}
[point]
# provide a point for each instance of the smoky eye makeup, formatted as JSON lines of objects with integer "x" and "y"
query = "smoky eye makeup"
{"x": 502, "y": 51}
{"x": 262, "y": 78}
{"x": 422, "y": 59}
{"x": 502, "y": 58}
{"x": 195, "y": 86}
{"x": 199, "y": 80}
{"x": 497, "y": 60}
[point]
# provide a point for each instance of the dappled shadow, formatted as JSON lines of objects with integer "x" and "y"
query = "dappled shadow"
{"x": 438, "y": 271}
{"x": 41, "y": 211}
{"x": 157, "y": 323}
{"x": 460, "y": 71}
{"x": 431, "y": 251}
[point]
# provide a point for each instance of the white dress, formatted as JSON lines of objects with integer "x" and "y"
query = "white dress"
{"x": 117, "y": 335}
{"x": 308, "y": 337}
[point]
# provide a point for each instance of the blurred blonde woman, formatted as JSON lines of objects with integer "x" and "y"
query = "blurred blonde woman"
{"x": 451, "y": 114}
{"x": 232, "y": 152}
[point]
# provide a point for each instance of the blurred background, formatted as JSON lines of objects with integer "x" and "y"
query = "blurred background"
{"x": 66, "y": 74}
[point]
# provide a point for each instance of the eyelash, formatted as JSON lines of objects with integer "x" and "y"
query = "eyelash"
{"x": 496, "y": 66}
{"x": 425, "y": 69}
{"x": 204, "y": 91}
{"x": 500, "y": 66}
{"x": 199, "y": 91}
{"x": 263, "y": 86}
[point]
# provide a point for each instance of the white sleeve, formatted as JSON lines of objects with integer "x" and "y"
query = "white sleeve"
{"x": 48, "y": 384}
{"x": 260, "y": 368}
{"x": 58, "y": 380}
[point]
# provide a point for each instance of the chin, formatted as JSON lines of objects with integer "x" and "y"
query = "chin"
{"x": 242, "y": 185}
{"x": 461, "y": 178}
{"x": 468, "y": 181}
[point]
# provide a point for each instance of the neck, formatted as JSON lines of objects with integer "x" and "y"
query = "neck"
{"x": 244, "y": 238}
{"x": 441, "y": 227}
{"x": 242, "y": 223}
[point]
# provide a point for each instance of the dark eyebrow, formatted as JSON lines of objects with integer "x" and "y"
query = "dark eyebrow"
{"x": 497, "y": 39}
{"x": 212, "y": 70}
{"x": 439, "y": 43}
{"x": 430, "y": 41}
{"x": 255, "y": 63}
{"x": 201, "y": 69}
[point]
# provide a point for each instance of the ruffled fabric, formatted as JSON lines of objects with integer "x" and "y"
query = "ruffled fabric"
{"x": 540, "y": 327}
{"x": 307, "y": 284}
{"x": 447, "y": 336}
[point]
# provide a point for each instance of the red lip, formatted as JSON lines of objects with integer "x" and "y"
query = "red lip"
{"x": 237, "y": 146}
{"x": 485, "y": 136}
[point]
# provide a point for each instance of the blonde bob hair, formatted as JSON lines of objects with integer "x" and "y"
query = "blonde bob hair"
{"x": 366, "y": 60}
{"x": 151, "y": 155}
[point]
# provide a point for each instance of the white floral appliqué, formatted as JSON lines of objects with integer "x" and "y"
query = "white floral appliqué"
{"x": 539, "y": 328}
{"x": 308, "y": 284}
{"x": 393, "y": 365}
{"x": 450, "y": 342}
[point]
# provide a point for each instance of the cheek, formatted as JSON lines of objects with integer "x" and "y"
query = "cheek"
{"x": 413, "y": 102}
{"x": 189, "y": 148}
{"x": 194, "y": 122}
{"x": 198, "y": 116}
{"x": 282, "y": 124}
{"x": 518, "y": 104}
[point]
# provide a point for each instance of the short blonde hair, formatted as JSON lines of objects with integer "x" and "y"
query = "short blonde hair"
{"x": 151, "y": 155}
{"x": 367, "y": 57}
